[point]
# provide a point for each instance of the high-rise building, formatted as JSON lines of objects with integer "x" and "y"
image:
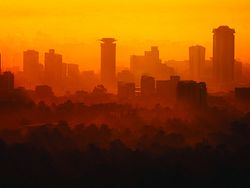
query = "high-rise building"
{"x": 196, "y": 61}
{"x": 30, "y": 61}
{"x": 0, "y": 64}
{"x": 31, "y": 68}
{"x": 149, "y": 64}
{"x": 73, "y": 77}
{"x": 6, "y": 81}
{"x": 137, "y": 67}
{"x": 64, "y": 71}
{"x": 152, "y": 57}
{"x": 53, "y": 68}
{"x": 108, "y": 63}
{"x": 191, "y": 94}
{"x": 166, "y": 89}
{"x": 147, "y": 86}
{"x": 223, "y": 56}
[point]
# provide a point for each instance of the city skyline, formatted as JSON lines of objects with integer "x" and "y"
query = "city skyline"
{"x": 7, "y": 65}
{"x": 135, "y": 93}
{"x": 74, "y": 27}
{"x": 222, "y": 72}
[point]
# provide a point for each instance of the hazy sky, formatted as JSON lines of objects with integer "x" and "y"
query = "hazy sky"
{"x": 74, "y": 27}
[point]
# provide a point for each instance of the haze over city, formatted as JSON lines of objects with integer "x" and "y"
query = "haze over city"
{"x": 131, "y": 94}
{"x": 74, "y": 27}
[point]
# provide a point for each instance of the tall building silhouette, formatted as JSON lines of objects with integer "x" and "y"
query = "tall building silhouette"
{"x": 30, "y": 61}
{"x": 147, "y": 86}
{"x": 108, "y": 63}
{"x": 166, "y": 89}
{"x": 191, "y": 94}
{"x": 6, "y": 81}
{"x": 53, "y": 68}
{"x": 149, "y": 64}
{"x": 223, "y": 56}
{"x": 31, "y": 68}
{"x": 0, "y": 64}
{"x": 137, "y": 67}
{"x": 152, "y": 57}
{"x": 196, "y": 61}
{"x": 64, "y": 71}
{"x": 73, "y": 77}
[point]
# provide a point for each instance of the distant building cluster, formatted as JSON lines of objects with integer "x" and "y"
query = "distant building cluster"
{"x": 185, "y": 94}
{"x": 54, "y": 72}
{"x": 147, "y": 77}
{"x": 149, "y": 64}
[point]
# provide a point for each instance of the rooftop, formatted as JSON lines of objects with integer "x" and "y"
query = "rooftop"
{"x": 108, "y": 40}
{"x": 224, "y": 28}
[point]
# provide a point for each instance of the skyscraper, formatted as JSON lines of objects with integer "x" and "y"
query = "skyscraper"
{"x": 166, "y": 89}
{"x": 0, "y": 64}
{"x": 30, "y": 61}
{"x": 137, "y": 67}
{"x": 31, "y": 68}
{"x": 152, "y": 57}
{"x": 191, "y": 94}
{"x": 53, "y": 68}
{"x": 196, "y": 61}
{"x": 6, "y": 81}
{"x": 223, "y": 56}
{"x": 73, "y": 77}
{"x": 147, "y": 86}
{"x": 108, "y": 63}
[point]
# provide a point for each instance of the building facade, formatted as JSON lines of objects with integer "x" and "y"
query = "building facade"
{"x": 108, "y": 64}
{"x": 196, "y": 62}
{"x": 223, "y": 56}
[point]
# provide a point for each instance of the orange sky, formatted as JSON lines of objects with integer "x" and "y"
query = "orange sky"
{"x": 74, "y": 27}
